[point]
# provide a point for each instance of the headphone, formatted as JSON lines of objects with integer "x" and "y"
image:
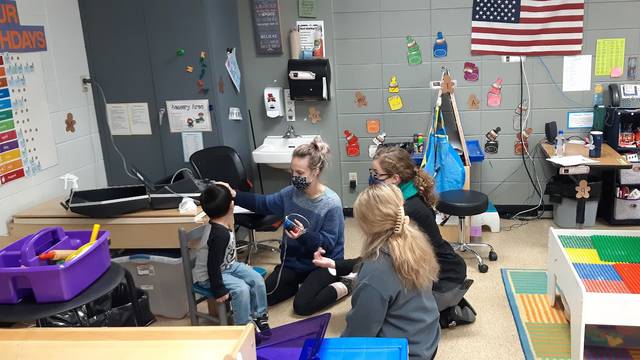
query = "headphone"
{"x": 291, "y": 226}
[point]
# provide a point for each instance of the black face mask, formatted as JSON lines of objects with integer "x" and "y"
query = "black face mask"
{"x": 300, "y": 182}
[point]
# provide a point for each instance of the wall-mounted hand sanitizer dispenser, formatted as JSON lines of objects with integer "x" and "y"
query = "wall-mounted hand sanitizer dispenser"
{"x": 309, "y": 79}
{"x": 273, "y": 101}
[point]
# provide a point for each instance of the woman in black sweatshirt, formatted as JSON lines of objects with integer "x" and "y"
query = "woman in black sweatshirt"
{"x": 393, "y": 165}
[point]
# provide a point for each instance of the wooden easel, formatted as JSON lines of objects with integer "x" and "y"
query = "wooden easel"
{"x": 446, "y": 94}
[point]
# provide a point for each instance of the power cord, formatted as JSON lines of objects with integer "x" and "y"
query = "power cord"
{"x": 113, "y": 142}
{"x": 525, "y": 150}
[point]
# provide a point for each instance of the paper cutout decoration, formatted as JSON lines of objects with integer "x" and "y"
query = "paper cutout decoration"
{"x": 473, "y": 103}
{"x": 373, "y": 148}
{"x": 221, "y": 85}
{"x": 414, "y": 54}
{"x": 393, "y": 85}
{"x": 188, "y": 69}
{"x": 395, "y": 102}
{"x": 314, "y": 115}
{"x": 522, "y": 140}
{"x": 440, "y": 46}
{"x": 447, "y": 85}
{"x": 632, "y": 63}
{"x": 471, "y": 71}
{"x": 494, "y": 97}
{"x": 361, "y": 99}
{"x": 616, "y": 72}
{"x": 353, "y": 147}
{"x": 203, "y": 69}
{"x": 373, "y": 126}
{"x": 179, "y": 52}
{"x": 70, "y": 122}
{"x": 582, "y": 190}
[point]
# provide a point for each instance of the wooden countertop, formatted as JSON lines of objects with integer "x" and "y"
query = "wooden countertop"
{"x": 197, "y": 342}
{"x": 610, "y": 158}
{"x": 53, "y": 209}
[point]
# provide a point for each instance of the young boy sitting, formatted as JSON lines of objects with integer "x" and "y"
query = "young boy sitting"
{"x": 217, "y": 267}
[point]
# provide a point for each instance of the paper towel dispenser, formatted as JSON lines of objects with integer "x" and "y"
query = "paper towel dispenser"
{"x": 309, "y": 79}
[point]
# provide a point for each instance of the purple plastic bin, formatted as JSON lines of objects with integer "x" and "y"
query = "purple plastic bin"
{"x": 23, "y": 274}
{"x": 287, "y": 341}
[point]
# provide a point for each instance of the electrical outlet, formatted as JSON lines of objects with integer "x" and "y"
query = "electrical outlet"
{"x": 353, "y": 177}
{"x": 85, "y": 81}
{"x": 513, "y": 59}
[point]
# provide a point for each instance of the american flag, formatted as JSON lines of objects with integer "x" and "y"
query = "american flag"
{"x": 527, "y": 27}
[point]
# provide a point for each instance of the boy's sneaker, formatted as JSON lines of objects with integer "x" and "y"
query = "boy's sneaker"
{"x": 262, "y": 323}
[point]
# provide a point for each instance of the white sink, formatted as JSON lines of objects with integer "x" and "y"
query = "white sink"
{"x": 276, "y": 151}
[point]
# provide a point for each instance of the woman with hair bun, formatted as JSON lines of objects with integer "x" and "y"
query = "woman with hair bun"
{"x": 316, "y": 210}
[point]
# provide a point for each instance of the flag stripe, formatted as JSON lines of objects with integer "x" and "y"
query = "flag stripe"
{"x": 550, "y": 2}
{"x": 575, "y": 25}
{"x": 526, "y": 52}
{"x": 545, "y": 14}
{"x": 523, "y": 31}
{"x": 552, "y": 18}
{"x": 527, "y": 42}
{"x": 534, "y": 37}
{"x": 576, "y": 6}
{"x": 527, "y": 27}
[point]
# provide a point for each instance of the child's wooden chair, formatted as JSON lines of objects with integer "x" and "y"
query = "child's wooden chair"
{"x": 195, "y": 293}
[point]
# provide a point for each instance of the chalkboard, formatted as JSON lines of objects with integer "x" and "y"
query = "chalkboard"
{"x": 266, "y": 22}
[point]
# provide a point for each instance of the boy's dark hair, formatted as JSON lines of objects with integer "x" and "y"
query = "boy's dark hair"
{"x": 215, "y": 201}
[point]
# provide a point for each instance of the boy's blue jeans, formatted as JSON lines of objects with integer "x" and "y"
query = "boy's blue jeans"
{"x": 247, "y": 291}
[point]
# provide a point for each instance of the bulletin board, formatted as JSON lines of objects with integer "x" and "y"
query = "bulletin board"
{"x": 27, "y": 143}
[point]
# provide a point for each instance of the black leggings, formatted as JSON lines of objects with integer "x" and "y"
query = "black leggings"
{"x": 312, "y": 296}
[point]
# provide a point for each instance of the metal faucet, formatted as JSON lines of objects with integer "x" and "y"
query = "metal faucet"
{"x": 290, "y": 133}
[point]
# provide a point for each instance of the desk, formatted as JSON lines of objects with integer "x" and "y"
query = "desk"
{"x": 587, "y": 304}
{"x": 609, "y": 160}
{"x": 179, "y": 342}
{"x": 148, "y": 229}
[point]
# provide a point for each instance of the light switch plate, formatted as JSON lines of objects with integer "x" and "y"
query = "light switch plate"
{"x": 353, "y": 176}
{"x": 289, "y": 106}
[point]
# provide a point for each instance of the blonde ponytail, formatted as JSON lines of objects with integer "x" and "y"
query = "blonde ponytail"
{"x": 379, "y": 213}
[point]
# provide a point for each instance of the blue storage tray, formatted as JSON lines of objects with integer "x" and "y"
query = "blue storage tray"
{"x": 475, "y": 151}
{"x": 356, "y": 349}
{"x": 473, "y": 147}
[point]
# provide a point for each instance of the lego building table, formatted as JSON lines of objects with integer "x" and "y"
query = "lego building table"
{"x": 597, "y": 292}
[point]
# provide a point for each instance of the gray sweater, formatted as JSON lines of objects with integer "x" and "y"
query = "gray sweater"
{"x": 381, "y": 307}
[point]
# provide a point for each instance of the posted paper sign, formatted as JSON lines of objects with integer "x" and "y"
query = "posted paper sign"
{"x": 576, "y": 73}
{"x": 233, "y": 69}
{"x": 191, "y": 142}
{"x": 312, "y": 37}
{"x": 189, "y": 115}
{"x": 129, "y": 119}
{"x": 579, "y": 120}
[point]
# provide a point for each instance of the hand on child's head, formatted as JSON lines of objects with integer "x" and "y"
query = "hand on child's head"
{"x": 222, "y": 183}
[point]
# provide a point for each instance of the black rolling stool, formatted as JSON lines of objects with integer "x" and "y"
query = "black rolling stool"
{"x": 463, "y": 203}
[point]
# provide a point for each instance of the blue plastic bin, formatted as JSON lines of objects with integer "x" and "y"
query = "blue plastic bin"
{"x": 356, "y": 349}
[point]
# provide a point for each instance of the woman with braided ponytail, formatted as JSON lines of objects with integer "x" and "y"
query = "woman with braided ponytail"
{"x": 393, "y": 296}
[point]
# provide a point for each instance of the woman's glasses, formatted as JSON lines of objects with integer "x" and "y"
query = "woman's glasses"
{"x": 377, "y": 176}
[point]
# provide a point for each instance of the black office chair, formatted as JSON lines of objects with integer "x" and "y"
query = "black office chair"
{"x": 222, "y": 163}
{"x": 463, "y": 203}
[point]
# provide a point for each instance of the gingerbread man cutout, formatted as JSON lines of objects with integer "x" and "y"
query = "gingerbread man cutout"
{"x": 361, "y": 99}
{"x": 314, "y": 115}
{"x": 447, "y": 84}
{"x": 70, "y": 122}
{"x": 582, "y": 190}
